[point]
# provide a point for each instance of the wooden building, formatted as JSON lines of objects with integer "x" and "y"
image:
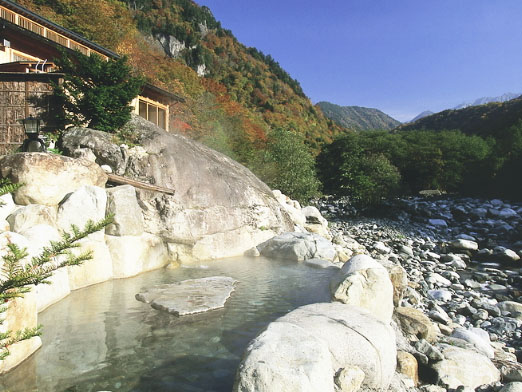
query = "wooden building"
{"x": 28, "y": 44}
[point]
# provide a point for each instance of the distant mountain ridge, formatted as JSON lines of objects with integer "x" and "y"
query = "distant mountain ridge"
{"x": 482, "y": 120}
{"x": 425, "y": 113}
{"x": 479, "y": 101}
{"x": 358, "y": 118}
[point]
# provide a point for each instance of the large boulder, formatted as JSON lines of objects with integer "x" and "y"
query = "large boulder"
{"x": 298, "y": 343}
{"x": 298, "y": 247}
{"x": 47, "y": 178}
{"x": 216, "y": 199}
{"x": 365, "y": 283}
{"x": 465, "y": 367}
{"x": 285, "y": 357}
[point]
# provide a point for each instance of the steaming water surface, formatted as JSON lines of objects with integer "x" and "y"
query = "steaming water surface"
{"x": 101, "y": 338}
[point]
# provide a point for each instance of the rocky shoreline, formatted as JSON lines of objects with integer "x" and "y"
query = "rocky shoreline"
{"x": 462, "y": 258}
{"x": 434, "y": 288}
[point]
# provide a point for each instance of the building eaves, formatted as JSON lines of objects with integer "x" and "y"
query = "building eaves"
{"x": 60, "y": 29}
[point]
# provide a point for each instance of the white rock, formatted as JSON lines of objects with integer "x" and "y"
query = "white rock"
{"x": 128, "y": 218}
{"x": 320, "y": 263}
{"x": 478, "y": 337}
{"x": 349, "y": 379}
{"x": 303, "y": 350}
{"x": 438, "y": 280}
{"x": 39, "y": 236}
{"x": 466, "y": 237}
{"x": 298, "y": 247}
{"x": 381, "y": 248}
{"x": 440, "y": 295}
{"x": 189, "y": 296}
{"x": 132, "y": 255}
{"x": 507, "y": 213}
{"x": 7, "y": 205}
{"x": 465, "y": 367}
{"x": 97, "y": 270}
{"x": 285, "y": 357}
{"x": 438, "y": 222}
{"x": 512, "y": 387}
{"x": 461, "y": 244}
{"x": 47, "y": 178}
{"x": 86, "y": 203}
{"x": 365, "y": 283}
{"x": 28, "y": 216}
{"x": 19, "y": 352}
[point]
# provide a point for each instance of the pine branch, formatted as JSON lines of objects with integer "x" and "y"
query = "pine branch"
{"x": 16, "y": 278}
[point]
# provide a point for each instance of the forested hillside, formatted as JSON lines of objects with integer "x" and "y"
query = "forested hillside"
{"x": 358, "y": 118}
{"x": 237, "y": 99}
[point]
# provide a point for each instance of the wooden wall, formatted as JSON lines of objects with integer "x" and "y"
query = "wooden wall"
{"x": 22, "y": 95}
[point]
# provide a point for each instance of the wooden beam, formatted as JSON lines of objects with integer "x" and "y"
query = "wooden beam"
{"x": 138, "y": 184}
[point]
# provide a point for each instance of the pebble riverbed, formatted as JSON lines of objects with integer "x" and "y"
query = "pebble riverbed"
{"x": 462, "y": 257}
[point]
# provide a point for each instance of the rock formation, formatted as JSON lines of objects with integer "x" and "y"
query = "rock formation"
{"x": 219, "y": 208}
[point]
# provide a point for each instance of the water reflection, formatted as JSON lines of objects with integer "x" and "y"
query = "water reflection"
{"x": 101, "y": 338}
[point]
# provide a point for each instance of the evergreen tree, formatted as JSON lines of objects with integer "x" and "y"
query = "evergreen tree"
{"x": 17, "y": 277}
{"x": 95, "y": 92}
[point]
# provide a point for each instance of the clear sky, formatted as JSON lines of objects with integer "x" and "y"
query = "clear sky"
{"x": 400, "y": 56}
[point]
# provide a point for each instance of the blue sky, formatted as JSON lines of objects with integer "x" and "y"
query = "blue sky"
{"x": 400, "y": 56}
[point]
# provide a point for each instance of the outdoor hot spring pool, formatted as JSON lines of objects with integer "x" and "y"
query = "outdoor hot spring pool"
{"x": 101, "y": 338}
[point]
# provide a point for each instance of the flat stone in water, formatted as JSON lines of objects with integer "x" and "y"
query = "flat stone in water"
{"x": 189, "y": 296}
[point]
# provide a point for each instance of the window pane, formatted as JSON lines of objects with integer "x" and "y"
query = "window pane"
{"x": 143, "y": 109}
{"x": 161, "y": 118}
{"x": 153, "y": 114}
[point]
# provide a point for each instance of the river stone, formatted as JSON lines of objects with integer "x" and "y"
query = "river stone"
{"x": 296, "y": 246}
{"x": 189, "y": 296}
{"x": 415, "y": 323}
{"x": 438, "y": 222}
{"x": 465, "y": 367}
{"x": 285, "y": 357}
{"x": 477, "y": 337}
{"x": 365, "y": 283}
{"x": 349, "y": 379}
{"x": 47, "y": 178}
{"x": 461, "y": 244}
{"x": 407, "y": 365}
{"x": 208, "y": 185}
{"x": 515, "y": 308}
{"x": 512, "y": 387}
{"x": 350, "y": 336}
{"x": 128, "y": 218}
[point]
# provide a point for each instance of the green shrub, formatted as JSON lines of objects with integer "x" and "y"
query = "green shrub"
{"x": 289, "y": 166}
{"x": 95, "y": 92}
